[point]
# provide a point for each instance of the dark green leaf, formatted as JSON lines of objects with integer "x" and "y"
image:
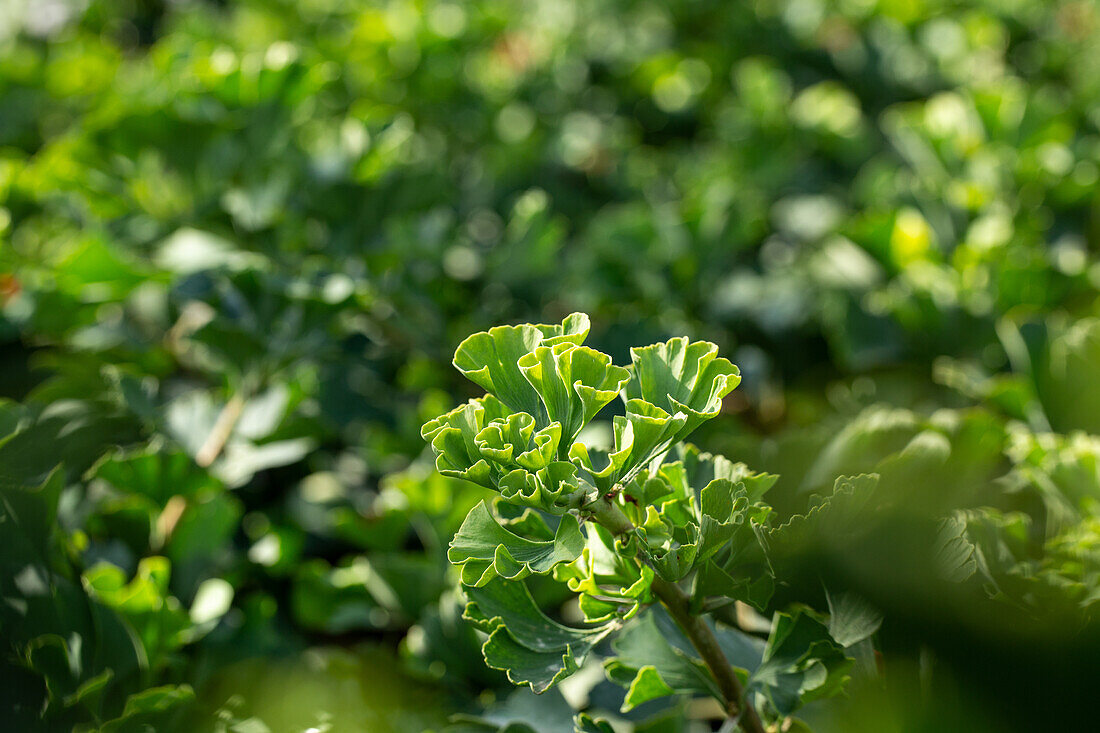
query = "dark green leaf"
{"x": 529, "y": 647}
{"x": 485, "y": 550}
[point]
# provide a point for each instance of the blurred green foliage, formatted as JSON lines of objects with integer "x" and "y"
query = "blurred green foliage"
{"x": 239, "y": 242}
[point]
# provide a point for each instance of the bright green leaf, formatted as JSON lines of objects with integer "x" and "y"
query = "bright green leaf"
{"x": 490, "y": 359}
{"x": 678, "y": 376}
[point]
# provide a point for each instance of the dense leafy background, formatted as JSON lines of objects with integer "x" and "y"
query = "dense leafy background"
{"x": 272, "y": 222}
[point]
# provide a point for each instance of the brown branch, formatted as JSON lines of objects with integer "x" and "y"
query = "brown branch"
{"x": 223, "y": 428}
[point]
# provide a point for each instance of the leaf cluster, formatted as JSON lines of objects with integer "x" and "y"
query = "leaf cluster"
{"x": 633, "y": 520}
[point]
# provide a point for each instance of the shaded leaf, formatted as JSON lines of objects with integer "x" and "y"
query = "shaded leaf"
{"x": 485, "y": 550}
{"x": 650, "y": 667}
{"x": 851, "y": 618}
{"x": 801, "y": 663}
{"x": 721, "y": 510}
{"x": 585, "y": 723}
{"x": 528, "y": 646}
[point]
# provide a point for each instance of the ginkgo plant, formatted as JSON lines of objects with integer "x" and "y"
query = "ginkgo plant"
{"x": 643, "y": 523}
